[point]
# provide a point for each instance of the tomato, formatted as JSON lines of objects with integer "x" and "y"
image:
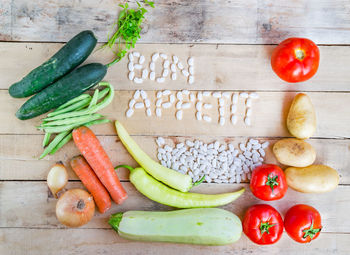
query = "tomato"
{"x": 263, "y": 224}
{"x": 268, "y": 182}
{"x": 295, "y": 59}
{"x": 303, "y": 223}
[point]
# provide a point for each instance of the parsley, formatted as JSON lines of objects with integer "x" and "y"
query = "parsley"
{"x": 129, "y": 29}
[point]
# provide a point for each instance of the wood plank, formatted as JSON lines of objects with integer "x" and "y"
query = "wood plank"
{"x": 217, "y": 67}
{"x": 255, "y": 22}
{"x": 268, "y": 117}
{"x": 14, "y": 154}
{"x": 106, "y": 241}
{"x": 34, "y": 197}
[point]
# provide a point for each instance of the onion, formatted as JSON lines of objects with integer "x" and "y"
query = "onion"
{"x": 75, "y": 208}
{"x": 57, "y": 178}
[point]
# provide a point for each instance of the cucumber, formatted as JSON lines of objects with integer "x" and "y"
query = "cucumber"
{"x": 72, "y": 54}
{"x": 63, "y": 90}
{"x": 205, "y": 226}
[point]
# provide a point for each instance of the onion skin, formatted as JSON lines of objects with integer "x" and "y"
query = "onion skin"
{"x": 75, "y": 208}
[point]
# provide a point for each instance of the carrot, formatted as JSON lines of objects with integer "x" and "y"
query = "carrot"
{"x": 90, "y": 147}
{"x": 92, "y": 183}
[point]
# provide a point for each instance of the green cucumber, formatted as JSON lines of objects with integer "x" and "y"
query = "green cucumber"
{"x": 63, "y": 90}
{"x": 205, "y": 226}
{"x": 72, "y": 54}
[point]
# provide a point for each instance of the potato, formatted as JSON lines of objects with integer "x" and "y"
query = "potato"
{"x": 301, "y": 120}
{"x": 294, "y": 152}
{"x": 312, "y": 179}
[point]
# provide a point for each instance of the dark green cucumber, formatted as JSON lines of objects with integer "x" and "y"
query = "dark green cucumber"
{"x": 72, "y": 54}
{"x": 63, "y": 90}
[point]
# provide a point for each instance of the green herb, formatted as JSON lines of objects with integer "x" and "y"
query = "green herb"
{"x": 129, "y": 29}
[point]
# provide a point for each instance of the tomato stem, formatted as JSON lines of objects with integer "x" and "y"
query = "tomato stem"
{"x": 265, "y": 226}
{"x": 311, "y": 232}
{"x": 299, "y": 54}
{"x": 272, "y": 181}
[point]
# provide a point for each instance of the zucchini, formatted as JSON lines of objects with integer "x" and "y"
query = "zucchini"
{"x": 205, "y": 226}
{"x": 72, "y": 54}
{"x": 63, "y": 90}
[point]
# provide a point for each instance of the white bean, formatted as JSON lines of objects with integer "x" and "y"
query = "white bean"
{"x": 137, "y": 66}
{"x": 221, "y": 102}
{"x": 152, "y": 66}
{"x": 131, "y": 66}
{"x": 222, "y": 121}
{"x": 131, "y": 57}
{"x": 249, "y": 112}
{"x": 235, "y": 98}
{"x": 152, "y": 76}
{"x": 139, "y": 105}
{"x": 217, "y": 94}
{"x": 208, "y": 106}
{"x": 163, "y": 56}
{"x": 166, "y": 64}
{"x": 206, "y": 93}
{"x": 179, "y": 105}
{"x": 247, "y": 121}
{"x": 234, "y": 119}
{"x": 137, "y": 94}
{"x": 221, "y": 111}
{"x": 179, "y": 114}
{"x": 136, "y": 54}
{"x": 186, "y": 105}
{"x": 166, "y": 105}
{"x": 190, "y": 61}
{"x": 198, "y": 115}
{"x": 199, "y": 106}
{"x": 144, "y": 73}
{"x": 155, "y": 56}
{"x": 233, "y": 108}
{"x": 131, "y": 103}
{"x": 175, "y": 59}
{"x": 143, "y": 94}
{"x": 138, "y": 80}
{"x": 180, "y": 65}
{"x": 206, "y": 118}
{"x": 129, "y": 113}
{"x": 185, "y": 72}
{"x": 254, "y": 95}
{"x": 166, "y": 92}
{"x": 165, "y": 72}
{"x": 179, "y": 95}
{"x": 226, "y": 94}
{"x": 244, "y": 95}
{"x": 173, "y": 76}
{"x": 148, "y": 112}
{"x": 141, "y": 59}
{"x": 191, "y": 79}
{"x": 248, "y": 102}
{"x": 131, "y": 75}
{"x": 158, "y": 112}
{"x": 160, "y": 79}
{"x": 148, "y": 103}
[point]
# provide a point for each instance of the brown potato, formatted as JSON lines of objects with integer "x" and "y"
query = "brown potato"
{"x": 294, "y": 152}
{"x": 312, "y": 179}
{"x": 301, "y": 120}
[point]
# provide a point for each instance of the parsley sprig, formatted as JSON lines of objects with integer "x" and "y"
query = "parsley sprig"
{"x": 129, "y": 28}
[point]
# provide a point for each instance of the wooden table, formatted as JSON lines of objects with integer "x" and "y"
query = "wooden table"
{"x": 231, "y": 44}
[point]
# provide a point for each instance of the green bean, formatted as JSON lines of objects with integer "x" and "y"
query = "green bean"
{"x": 73, "y": 107}
{"x": 69, "y": 121}
{"x": 103, "y": 93}
{"x": 65, "y": 140}
{"x": 74, "y": 100}
{"x": 94, "y": 99}
{"x": 106, "y": 101}
{"x": 69, "y": 136}
{"x": 46, "y": 139}
{"x": 59, "y": 129}
{"x": 53, "y": 144}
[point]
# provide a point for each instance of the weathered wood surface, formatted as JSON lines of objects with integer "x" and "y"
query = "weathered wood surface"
{"x": 14, "y": 241}
{"x": 14, "y": 154}
{"x": 182, "y": 21}
{"x": 217, "y": 67}
{"x": 268, "y": 117}
{"x": 19, "y": 198}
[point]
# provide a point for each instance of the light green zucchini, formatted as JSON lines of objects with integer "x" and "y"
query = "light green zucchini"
{"x": 205, "y": 226}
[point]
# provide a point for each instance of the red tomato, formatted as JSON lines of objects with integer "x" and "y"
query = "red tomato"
{"x": 268, "y": 182}
{"x": 263, "y": 224}
{"x": 303, "y": 223}
{"x": 295, "y": 59}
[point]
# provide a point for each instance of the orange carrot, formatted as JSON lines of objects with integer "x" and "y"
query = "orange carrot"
{"x": 92, "y": 183}
{"x": 90, "y": 147}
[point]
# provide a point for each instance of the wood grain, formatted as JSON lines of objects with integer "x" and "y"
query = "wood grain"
{"x": 181, "y": 21}
{"x": 35, "y": 197}
{"x": 105, "y": 241}
{"x": 217, "y": 67}
{"x": 14, "y": 154}
{"x": 268, "y": 117}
